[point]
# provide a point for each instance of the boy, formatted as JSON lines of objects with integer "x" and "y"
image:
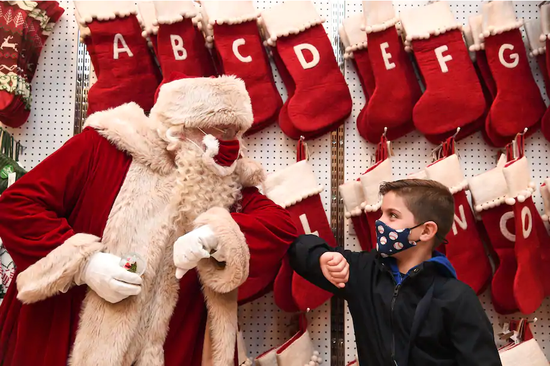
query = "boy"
{"x": 407, "y": 306}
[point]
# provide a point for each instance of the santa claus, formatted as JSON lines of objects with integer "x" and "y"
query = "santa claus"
{"x": 173, "y": 189}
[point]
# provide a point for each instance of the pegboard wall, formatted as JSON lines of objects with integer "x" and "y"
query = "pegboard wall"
{"x": 52, "y": 119}
{"x": 412, "y": 153}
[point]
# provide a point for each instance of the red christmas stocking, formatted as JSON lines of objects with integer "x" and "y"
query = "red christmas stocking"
{"x": 397, "y": 89}
{"x": 371, "y": 180}
{"x": 295, "y": 188}
{"x": 24, "y": 32}
{"x": 489, "y": 191}
{"x": 476, "y": 46}
{"x": 353, "y": 197}
{"x": 531, "y": 276}
{"x": 180, "y": 44}
{"x": 355, "y": 43}
{"x": 453, "y": 96}
{"x": 545, "y": 39}
{"x": 518, "y": 103}
{"x": 465, "y": 249}
{"x": 241, "y": 53}
{"x": 537, "y": 48}
{"x": 321, "y": 101}
{"x": 128, "y": 73}
{"x": 299, "y": 349}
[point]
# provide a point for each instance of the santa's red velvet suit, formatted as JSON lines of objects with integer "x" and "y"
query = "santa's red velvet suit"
{"x": 110, "y": 189}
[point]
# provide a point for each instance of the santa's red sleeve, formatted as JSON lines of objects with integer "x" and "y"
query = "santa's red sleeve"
{"x": 34, "y": 225}
{"x": 269, "y": 231}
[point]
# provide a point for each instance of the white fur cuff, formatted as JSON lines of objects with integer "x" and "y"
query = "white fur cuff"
{"x": 228, "y": 12}
{"x": 379, "y": 16}
{"x": 170, "y": 12}
{"x": 475, "y": 43}
{"x": 499, "y": 17}
{"x": 488, "y": 189}
{"x": 147, "y": 16}
{"x": 371, "y": 180}
{"x": 292, "y": 184}
{"x": 534, "y": 31}
{"x": 291, "y": 17}
{"x": 352, "y": 195}
{"x": 56, "y": 272}
{"x": 227, "y": 276}
{"x": 518, "y": 179}
{"x": 351, "y": 34}
{"x": 103, "y": 10}
{"x": 545, "y": 193}
{"x": 431, "y": 20}
{"x": 447, "y": 171}
{"x": 545, "y": 21}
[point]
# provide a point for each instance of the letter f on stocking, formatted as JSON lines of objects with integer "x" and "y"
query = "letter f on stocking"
{"x": 443, "y": 59}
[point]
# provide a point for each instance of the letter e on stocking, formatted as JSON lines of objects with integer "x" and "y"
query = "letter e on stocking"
{"x": 299, "y": 50}
{"x": 180, "y": 53}
{"x": 443, "y": 59}
{"x": 236, "y": 44}
{"x": 526, "y": 222}
{"x": 119, "y": 46}
{"x": 386, "y": 56}
{"x": 514, "y": 56}
{"x": 305, "y": 224}
{"x": 461, "y": 221}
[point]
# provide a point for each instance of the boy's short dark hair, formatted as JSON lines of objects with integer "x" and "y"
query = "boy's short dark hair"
{"x": 428, "y": 200}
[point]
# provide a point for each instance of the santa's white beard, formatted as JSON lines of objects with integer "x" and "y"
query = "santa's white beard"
{"x": 198, "y": 188}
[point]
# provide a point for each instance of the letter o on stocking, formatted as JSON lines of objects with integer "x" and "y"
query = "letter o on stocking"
{"x": 526, "y": 222}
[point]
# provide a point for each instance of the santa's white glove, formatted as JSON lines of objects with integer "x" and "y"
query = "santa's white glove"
{"x": 108, "y": 279}
{"x": 192, "y": 247}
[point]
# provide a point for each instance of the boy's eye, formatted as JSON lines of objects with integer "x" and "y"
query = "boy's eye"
{"x": 393, "y": 216}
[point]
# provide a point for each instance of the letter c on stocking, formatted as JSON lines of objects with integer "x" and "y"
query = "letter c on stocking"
{"x": 236, "y": 44}
{"x": 298, "y": 49}
{"x": 180, "y": 53}
{"x": 513, "y": 56}
{"x": 527, "y": 227}
{"x": 443, "y": 59}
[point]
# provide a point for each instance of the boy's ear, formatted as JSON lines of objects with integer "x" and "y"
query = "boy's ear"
{"x": 428, "y": 231}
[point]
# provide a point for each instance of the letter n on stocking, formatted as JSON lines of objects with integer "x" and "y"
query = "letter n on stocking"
{"x": 295, "y": 188}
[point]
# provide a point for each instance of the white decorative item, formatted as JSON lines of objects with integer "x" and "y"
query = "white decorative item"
{"x": 498, "y": 17}
{"x": 447, "y": 171}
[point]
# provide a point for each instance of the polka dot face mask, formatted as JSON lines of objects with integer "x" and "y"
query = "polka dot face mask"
{"x": 391, "y": 241}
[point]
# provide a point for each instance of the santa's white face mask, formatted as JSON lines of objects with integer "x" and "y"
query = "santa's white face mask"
{"x": 220, "y": 156}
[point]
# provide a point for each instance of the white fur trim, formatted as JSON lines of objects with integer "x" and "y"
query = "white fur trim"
{"x": 518, "y": 179}
{"x": 147, "y": 16}
{"x": 351, "y": 34}
{"x": 533, "y": 30}
{"x": 352, "y": 195}
{"x": 204, "y": 103}
{"x": 299, "y": 352}
{"x": 418, "y": 175}
{"x": 130, "y": 130}
{"x": 499, "y": 17}
{"x": 545, "y": 21}
{"x": 292, "y": 184}
{"x": 104, "y": 10}
{"x": 83, "y": 29}
{"x": 291, "y": 17}
{"x": 488, "y": 189}
{"x": 228, "y": 12}
{"x": 56, "y": 272}
{"x": 545, "y": 193}
{"x": 169, "y": 12}
{"x": 379, "y": 16}
{"x": 212, "y": 145}
{"x": 371, "y": 181}
{"x": 431, "y": 20}
{"x": 476, "y": 28}
{"x": 447, "y": 171}
{"x": 268, "y": 359}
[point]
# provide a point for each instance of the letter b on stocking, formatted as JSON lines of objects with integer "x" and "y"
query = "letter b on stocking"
{"x": 180, "y": 53}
